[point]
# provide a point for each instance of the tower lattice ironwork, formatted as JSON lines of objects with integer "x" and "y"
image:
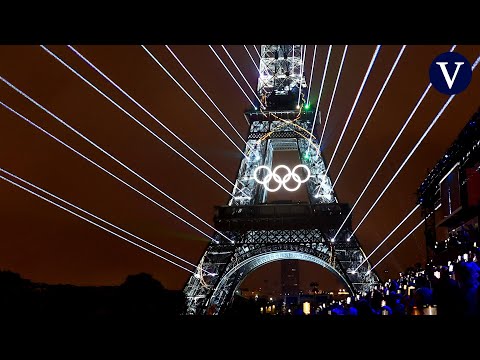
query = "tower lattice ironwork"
{"x": 260, "y": 232}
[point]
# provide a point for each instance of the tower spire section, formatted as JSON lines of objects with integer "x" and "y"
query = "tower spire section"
{"x": 281, "y": 76}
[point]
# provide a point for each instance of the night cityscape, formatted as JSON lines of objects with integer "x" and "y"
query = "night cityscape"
{"x": 224, "y": 180}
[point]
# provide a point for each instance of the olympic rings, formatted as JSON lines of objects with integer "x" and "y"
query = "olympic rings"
{"x": 281, "y": 181}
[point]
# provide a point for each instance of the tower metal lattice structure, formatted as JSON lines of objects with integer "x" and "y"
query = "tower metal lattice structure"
{"x": 260, "y": 232}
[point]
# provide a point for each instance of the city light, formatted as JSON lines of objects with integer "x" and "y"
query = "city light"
{"x": 306, "y": 308}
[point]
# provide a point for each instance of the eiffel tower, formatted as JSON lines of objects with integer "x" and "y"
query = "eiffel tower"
{"x": 262, "y": 232}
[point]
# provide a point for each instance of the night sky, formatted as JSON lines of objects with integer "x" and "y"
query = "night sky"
{"x": 46, "y": 244}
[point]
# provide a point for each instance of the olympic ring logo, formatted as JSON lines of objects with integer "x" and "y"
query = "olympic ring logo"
{"x": 282, "y": 181}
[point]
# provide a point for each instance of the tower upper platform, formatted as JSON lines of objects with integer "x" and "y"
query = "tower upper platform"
{"x": 281, "y": 79}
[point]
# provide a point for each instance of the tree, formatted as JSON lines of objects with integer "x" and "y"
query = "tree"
{"x": 143, "y": 295}
{"x": 142, "y": 282}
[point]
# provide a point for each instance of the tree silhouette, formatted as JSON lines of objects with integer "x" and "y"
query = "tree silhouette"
{"x": 142, "y": 282}
{"x": 145, "y": 296}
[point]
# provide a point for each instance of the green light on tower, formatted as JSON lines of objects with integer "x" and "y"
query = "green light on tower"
{"x": 307, "y": 106}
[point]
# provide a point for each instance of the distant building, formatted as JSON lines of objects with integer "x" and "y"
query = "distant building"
{"x": 290, "y": 277}
{"x": 451, "y": 192}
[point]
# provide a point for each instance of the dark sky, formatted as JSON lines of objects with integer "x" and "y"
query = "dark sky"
{"x": 46, "y": 244}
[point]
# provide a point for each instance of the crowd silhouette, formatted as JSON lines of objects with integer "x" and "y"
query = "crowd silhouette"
{"x": 418, "y": 292}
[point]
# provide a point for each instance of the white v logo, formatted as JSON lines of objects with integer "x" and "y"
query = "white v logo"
{"x": 449, "y": 80}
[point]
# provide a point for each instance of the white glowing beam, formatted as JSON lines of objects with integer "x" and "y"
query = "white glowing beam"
{"x": 251, "y": 58}
{"x": 385, "y": 156}
{"x": 370, "y": 113}
{"x": 112, "y": 157}
{"x": 191, "y": 98}
{"x": 311, "y": 132}
{"x": 388, "y": 236}
{"x": 231, "y": 75}
{"x": 411, "y": 153}
{"x": 97, "y": 217}
{"x": 311, "y": 74}
{"x": 401, "y": 241}
{"x": 142, "y": 125}
{"x": 404, "y": 162}
{"x": 256, "y": 50}
{"x": 255, "y": 64}
{"x": 317, "y": 107}
{"x": 449, "y": 172}
{"x": 93, "y": 223}
{"x": 208, "y": 97}
{"x": 408, "y": 157}
{"x": 359, "y": 93}
{"x": 333, "y": 95}
{"x": 301, "y": 72}
{"x": 241, "y": 73}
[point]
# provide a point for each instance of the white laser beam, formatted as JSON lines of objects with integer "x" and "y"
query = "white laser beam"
{"x": 95, "y": 224}
{"x": 191, "y": 98}
{"x": 388, "y": 236}
{"x": 231, "y": 75}
{"x": 96, "y": 217}
{"x": 359, "y": 93}
{"x": 208, "y": 97}
{"x": 333, "y": 95}
{"x": 240, "y": 72}
{"x": 142, "y": 125}
{"x": 370, "y": 113}
{"x": 401, "y": 241}
{"x": 311, "y": 73}
{"x": 110, "y": 156}
{"x": 317, "y": 107}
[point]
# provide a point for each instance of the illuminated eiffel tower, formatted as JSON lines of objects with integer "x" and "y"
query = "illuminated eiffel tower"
{"x": 261, "y": 232}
